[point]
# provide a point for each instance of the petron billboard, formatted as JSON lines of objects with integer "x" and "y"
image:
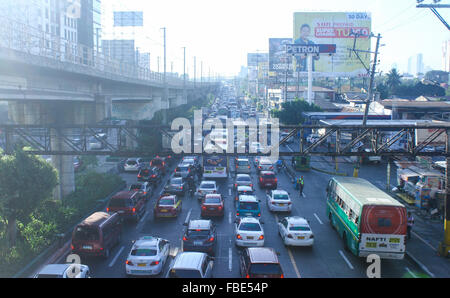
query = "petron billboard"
{"x": 279, "y": 61}
{"x": 333, "y": 28}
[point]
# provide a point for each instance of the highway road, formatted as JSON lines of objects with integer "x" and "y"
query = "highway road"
{"x": 326, "y": 259}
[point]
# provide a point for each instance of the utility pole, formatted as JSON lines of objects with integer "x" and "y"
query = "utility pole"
{"x": 195, "y": 70}
{"x": 372, "y": 77}
{"x": 433, "y": 7}
{"x": 370, "y": 91}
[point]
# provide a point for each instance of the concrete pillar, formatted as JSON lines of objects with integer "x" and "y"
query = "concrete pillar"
{"x": 16, "y": 112}
{"x": 63, "y": 164}
{"x": 103, "y": 107}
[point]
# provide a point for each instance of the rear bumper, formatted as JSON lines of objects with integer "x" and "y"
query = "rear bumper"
{"x": 383, "y": 255}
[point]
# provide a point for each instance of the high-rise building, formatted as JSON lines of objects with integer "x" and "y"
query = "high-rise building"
{"x": 410, "y": 65}
{"x": 144, "y": 60}
{"x": 446, "y": 56}
{"x": 420, "y": 66}
{"x": 120, "y": 49}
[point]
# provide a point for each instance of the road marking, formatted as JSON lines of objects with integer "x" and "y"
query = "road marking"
{"x": 187, "y": 216}
{"x": 230, "y": 258}
{"x": 345, "y": 259}
{"x": 293, "y": 262}
{"x": 143, "y": 217}
{"x": 421, "y": 265}
{"x": 117, "y": 255}
{"x": 318, "y": 219}
{"x": 410, "y": 272}
{"x": 229, "y": 217}
{"x": 420, "y": 238}
{"x": 229, "y": 191}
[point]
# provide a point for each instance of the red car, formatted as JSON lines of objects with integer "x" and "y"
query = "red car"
{"x": 128, "y": 204}
{"x": 160, "y": 163}
{"x": 267, "y": 179}
{"x": 167, "y": 206}
{"x": 212, "y": 205}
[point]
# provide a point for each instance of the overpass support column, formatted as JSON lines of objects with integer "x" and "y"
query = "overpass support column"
{"x": 63, "y": 164}
{"x": 103, "y": 108}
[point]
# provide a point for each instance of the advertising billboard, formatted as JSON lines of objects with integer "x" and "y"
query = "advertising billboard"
{"x": 279, "y": 61}
{"x": 333, "y": 28}
{"x": 128, "y": 18}
{"x": 254, "y": 58}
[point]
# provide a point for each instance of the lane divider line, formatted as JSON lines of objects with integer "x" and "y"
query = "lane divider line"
{"x": 318, "y": 219}
{"x": 117, "y": 255}
{"x": 345, "y": 259}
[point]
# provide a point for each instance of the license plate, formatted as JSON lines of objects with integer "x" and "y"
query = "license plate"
{"x": 197, "y": 243}
{"x": 371, "y": 244}
{"x": 301, "y": 237}
{"x": 163, "y": 210}
{"x": 394, "y": 240}
{"x": 281, "y": 205}
{"x": 250, "y": 237}
{"x": 212, "y": 209}
{"x": 120, "y": 211}
{"x": 87, "y": 247}
{"x": 268, "y": 184}
{"x": 142, "y": 265}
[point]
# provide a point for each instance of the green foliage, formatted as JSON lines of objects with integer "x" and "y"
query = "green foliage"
{"x": 291, "y": 111}
{"x": 88, "y": 161}
{"x": 38, "y": 233}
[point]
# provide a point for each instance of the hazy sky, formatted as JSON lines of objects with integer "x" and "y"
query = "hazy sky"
{"x": 221, "y": 33}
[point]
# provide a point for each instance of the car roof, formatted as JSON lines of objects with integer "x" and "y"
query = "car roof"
{"x": 249, "y": 219}
{"x": 125, "y": 194}
{"x": 247, "y": 198}
{"x": 297, "y": 220}
{"x": 262, "y": 255}
{"x": 242, "y": 159}
{"x": 146, "y": 241}
{"x": 244, "y": 188}
{"x": 208, "y": 181}
{"x": 279, "y": 192}
{"x": 266, "y": 172}
{"x": 202, "y": 224}
{"x": 188, "y": 260}
{"x": 54, "y": 269}
{"x": 213, "y": 195}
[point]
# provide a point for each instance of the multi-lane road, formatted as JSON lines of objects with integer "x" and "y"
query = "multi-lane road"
{"x": 327, "y": 258}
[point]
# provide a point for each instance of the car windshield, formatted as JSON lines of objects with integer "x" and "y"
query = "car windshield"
{"x": 299, "y": 228}
{"x": 119, "y": 202}
{"x": 250, "y": 227}
{"x": 248, "y": 206}
{"x": 268, "y": 268}
{"x": 176, "y": 181}
{"x": 144, "y": 252}
{"x": 245, "y": 192}
{"x": 166, "y": 201}
{"x": 212, "y": 200}
{"x": 242, "y": 163}
{"x": 131, "y": 162}
{"x": 156, "y": 162}
{"x": 280, "y": 197}
{"x": 136, "y": 186}
{"x": 184, "y": 273}
{"x": 86, "y": 233}
{"x": 243, "y": 179}
{"x": 207, "y": 185}
{"x": 268, "y": 176}
{"x": 198, "y": 233}
{"x": 182, "y": 168}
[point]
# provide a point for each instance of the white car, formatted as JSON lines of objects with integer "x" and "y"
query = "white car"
{"x": 248, "y": 231}
{"x": 243, "y": 179}
{"x": 312, "y": 138}
{"x": 132, "y": 164}
{"x": 206, "y": 187}
{"x": 147, "y": 256}
{"x": 255, "y": 147}
{"x": 295, "y": 231}
{"x": 64, "y": 271}
{"x": 279, "y": 200}
{"x": 265, "y": 164}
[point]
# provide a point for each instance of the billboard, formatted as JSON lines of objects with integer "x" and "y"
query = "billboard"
{"x": 128, "y": 18}
{"x": 333, "y": 28}
{"x": 254, "y": 58}
{"x": 278, "y": 60}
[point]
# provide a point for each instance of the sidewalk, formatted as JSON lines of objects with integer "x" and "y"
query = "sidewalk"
{"x": 422, "y": 248}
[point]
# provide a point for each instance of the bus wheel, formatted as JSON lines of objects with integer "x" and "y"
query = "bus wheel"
{"x": 331, "y": 221}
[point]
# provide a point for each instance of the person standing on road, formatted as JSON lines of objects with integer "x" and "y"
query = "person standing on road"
{"x": 301, "y": 185}
{"x": 410, "y": 224}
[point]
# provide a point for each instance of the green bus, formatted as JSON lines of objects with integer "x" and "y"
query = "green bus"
{"x": 367, "y": 219}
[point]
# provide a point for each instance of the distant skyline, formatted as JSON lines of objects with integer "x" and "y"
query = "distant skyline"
{"x": 221, "y": 33}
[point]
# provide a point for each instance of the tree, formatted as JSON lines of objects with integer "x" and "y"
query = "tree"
{"x": 393, "y": 80}
{"x": 25, "y": 181}
{"x": 291, "y": 111}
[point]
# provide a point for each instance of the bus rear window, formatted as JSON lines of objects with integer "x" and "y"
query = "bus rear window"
{"x": 85, "y": 233}
{"x": 383, "y": 220}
